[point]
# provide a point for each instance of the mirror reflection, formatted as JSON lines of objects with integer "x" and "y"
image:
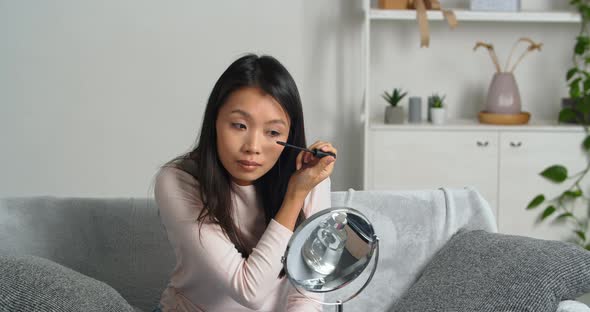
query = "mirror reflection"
{"x": 330, "y": 250}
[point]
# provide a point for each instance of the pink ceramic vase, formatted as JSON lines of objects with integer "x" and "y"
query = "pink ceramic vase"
{"x": 503, "y": 95}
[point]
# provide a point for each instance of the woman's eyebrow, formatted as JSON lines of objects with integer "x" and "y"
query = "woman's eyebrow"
{"x": 241, "y": 112}
{"x": 247, "y": 115}
{"x": 277, "y": 121}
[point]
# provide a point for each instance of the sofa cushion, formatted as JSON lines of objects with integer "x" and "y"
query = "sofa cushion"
{"x": 29, "y": 283}
{"x": 481, "y": 271}
{"x": 119, "y": 241}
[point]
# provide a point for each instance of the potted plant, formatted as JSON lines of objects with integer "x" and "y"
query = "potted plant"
{"x": 571, "y": 204}
{"x": 437, "y": 110}
{"x": 394, "y": 114}
{"x": 503, "y": 95}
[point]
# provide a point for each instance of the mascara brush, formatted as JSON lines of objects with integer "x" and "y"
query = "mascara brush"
{"x": 316, "y": 152}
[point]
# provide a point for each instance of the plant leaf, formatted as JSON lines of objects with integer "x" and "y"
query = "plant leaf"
{"x": 581, "y": 235}
{"x": 581, "y": 44}
{"x": 571, "y": 73}
{"x": 586, "y": 143}
{"x": 573, "y": 194}
{"x": 536, "y": 201}
{"x": 574, "y": 91}
{"x": 575, "y": 82}
{"x": 583, "y": 105}
{"x": 587, "y": 247}
{"x": 579, "y": 48}
{"x": 567, "y": 114}
{"x": 555, "y": 173}
{"x": 565, "y": 215}
{"x": 547, "y": 212}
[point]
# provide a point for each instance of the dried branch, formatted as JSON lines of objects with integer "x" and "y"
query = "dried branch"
{"x": 490, "y": 49}
{"x": 532, "y": 47}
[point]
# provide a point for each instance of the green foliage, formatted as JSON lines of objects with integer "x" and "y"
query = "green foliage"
{"x": 394, "y": 97}
{"x": 539, "y": 199}
{"x": 578, "y": 80}
{"x": 578, "y": 76}
{"x": 438, "y": 101}
{"x": 547, "y": 212}
{"x": 555, "y": 173}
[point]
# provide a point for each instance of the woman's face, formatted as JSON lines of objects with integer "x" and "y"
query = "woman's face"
{"x": 248, "y": 125}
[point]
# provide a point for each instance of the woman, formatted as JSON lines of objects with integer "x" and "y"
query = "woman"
{"x": 230, "y": 206}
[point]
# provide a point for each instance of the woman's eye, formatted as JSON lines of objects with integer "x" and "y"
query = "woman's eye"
{"x": 238, "y": 125}
{"x": 274, "y": 133}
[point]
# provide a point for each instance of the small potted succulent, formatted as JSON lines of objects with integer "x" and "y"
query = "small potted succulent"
{"x": 437, "y": 110}
{"x": 394, "y": 114}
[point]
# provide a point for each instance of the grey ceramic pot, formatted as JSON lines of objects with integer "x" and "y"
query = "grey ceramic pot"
{"x": 394, "y": 115}
{"x": 503, "y": 95}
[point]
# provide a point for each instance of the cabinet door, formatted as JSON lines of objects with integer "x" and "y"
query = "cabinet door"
{"x": 523, "y": 155}
{"x": 433, "y": 159}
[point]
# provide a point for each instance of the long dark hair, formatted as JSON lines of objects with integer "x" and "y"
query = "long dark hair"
{"x": 203, "y": 163}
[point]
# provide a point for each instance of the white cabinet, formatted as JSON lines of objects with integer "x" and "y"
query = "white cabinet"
{"x": 502, "y": 163}
{"x": 432, "y": 159}
{"x": 523, "y": 155}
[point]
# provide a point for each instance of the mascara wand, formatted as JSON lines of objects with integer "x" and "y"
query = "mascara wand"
{"x": 316, "y": 152}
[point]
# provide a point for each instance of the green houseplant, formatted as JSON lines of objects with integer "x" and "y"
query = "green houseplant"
{"x": 394, "y": 114}
{"x": 566, "y": 205}
{"x": 437, "y": 110}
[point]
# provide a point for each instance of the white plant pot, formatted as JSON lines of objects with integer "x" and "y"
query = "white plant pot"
{"x": 438, "y": 115}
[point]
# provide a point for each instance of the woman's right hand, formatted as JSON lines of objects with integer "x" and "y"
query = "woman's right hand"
{"x": 312, "y": 170}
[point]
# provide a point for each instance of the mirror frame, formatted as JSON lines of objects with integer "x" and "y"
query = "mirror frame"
{"x": 373, "y": 253}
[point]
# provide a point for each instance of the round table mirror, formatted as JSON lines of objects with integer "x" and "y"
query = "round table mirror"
{"x": 329, "y": 250}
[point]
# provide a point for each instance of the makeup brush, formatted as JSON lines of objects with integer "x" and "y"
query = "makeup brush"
{"x": 316, "y": 152}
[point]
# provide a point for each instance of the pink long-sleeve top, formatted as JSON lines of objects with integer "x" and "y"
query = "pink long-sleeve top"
{"x": 210, "y": 273}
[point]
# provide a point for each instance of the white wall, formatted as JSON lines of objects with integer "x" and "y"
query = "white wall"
{"x": 95, "y": 95}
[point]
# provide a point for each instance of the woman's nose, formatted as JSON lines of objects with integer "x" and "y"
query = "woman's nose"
{"x": 252, "y": 144}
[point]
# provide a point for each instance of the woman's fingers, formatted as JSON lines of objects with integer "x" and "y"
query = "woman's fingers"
{"x": 299, "y": 160}
{"x": 323, "y": 146}
{"x": 309, "y": 160}
{"x": 312, "y": 170}
{"x": 325, "y": 165}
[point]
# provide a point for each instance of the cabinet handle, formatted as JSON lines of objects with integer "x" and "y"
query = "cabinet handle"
{"x": 482, "y": 144}
{"x": 517, "y": 144}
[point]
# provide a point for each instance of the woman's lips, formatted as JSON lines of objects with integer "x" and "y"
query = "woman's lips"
{"x": 248, "y": 165}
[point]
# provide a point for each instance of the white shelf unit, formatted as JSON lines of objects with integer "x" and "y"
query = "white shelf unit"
{"x": 502, "y": 162}
{"x": 473, "y": 16}
{"x": 474, "y": 125}
{"x": 379, "y": 15}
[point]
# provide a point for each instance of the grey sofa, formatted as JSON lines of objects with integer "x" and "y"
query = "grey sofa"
{"x": 122, "y": 243}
